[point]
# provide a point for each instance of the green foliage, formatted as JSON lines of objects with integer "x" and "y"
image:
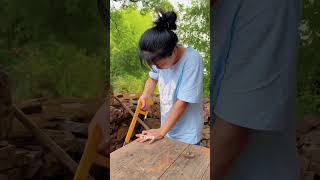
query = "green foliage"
{"x": 126, "y": 27}
{"x": 56, "y": 70}
{"x": 72, "y": 21}
{"x": 53, "y": 48}
{"x": 128, "y": 83}
{"x": 309, "y": 61}
{"x": 130, "y": 21}
{"x": 147, "y": 6}
{"x": 194, "y": 30}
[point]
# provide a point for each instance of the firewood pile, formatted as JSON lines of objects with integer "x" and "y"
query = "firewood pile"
{"x": 120, "y": 118}
{"x": 65, "y": 121}
{"x": 308, "y": 143}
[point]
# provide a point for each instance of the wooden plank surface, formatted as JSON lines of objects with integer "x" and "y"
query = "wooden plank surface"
{"x": 163, "y": 159}
{"x": 206, "y": 175}
{"x": 144, "y": 161}
{"x": 190, "y": 165}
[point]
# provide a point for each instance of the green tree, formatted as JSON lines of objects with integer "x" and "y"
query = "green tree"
{"x": 309, "y": 60}
{"x": 132, "y": 19}
{"x": 194, "y": 29}
{"x": 48, "y": 48}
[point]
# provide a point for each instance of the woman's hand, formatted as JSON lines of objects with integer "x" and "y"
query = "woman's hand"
{"x": 151, "y": 134}
{"x": 144, "y": 99}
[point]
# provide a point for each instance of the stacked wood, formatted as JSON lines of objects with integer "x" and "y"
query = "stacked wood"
{"x": 6, "y": 111}
{"x": 120, "y": 118}
{"x": 65, "y": 121}
{"x": 308, "y": 143}
{"x": 18, "y": 163}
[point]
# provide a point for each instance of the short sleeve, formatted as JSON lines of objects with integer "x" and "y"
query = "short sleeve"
{"x": 154, "y": 73}
{"x": 257, "y": 90}
{"x": 190, "y": 85}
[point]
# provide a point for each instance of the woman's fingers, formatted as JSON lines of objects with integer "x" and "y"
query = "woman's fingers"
{"x": 151, "y": 141}
{"x": 147, "y": 135}
{"x": 139, "y": 137}
{"x": 143, "y": 103}
{"x": 142, "y": 138}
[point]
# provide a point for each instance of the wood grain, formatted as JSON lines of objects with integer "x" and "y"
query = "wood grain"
{"x": 189, "y": 167}
{"x": 145, "y": 161}
{"x": 206, "y": 175}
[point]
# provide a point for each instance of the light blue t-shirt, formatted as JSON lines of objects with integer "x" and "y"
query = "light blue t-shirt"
{"x": 182, "y": 81}
{"x": 254, "y": 45}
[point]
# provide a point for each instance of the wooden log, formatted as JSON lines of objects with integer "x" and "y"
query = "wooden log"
{"x": 74, "y": 127}
{"x": 129, "y": 110}
{"x": 45, "y": 140}
{"x": 34, "y": 163}
{"x": 6, "y": 111}
{"x": 31, "y": 108}
{"x": 12, "y": 174}
{"x": 3, "y": 144}
{"x": 20, "y": 157}
{"x": 7, "y": 156}
{"x": 64, "y": 139}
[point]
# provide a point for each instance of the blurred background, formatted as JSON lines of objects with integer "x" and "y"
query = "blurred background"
{"x": 53, "y": 48}
{"x": 54, "y": 68}
{"x": 309, "y": 60}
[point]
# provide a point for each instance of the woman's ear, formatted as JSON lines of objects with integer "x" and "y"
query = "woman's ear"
{"x": 175, "y": 50}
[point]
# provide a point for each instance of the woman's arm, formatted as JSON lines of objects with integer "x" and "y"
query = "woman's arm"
{"x": 177, "y": 110}
{"x": 155, "y": 134}
{"x": 228, "y": 142}
{"x": 148, "y": 91}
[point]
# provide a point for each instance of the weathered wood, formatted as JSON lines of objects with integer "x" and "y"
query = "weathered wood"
{"x": 46, "y": 141}
{"x": 64, "y": 139}
{"x": 6, "y": 111}
{"x": 20, "y": 156}
{"x": 129, "y": 110}
{"x": 12, "y": 174}
{"x": 32, "y": 168}
{"x": 206, "y": 175}
{"x": 79, "y": 129}
{"x": 145, "y": 161}
{"x": 3, "y": 143}
{"x": 74, "y": 127}
{"x": 191, "y": 164}
{"x": 7, "y": 157}
{"x": 31, "y": 107}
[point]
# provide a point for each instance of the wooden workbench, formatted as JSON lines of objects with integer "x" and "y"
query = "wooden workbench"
{"x": 164, "y": 159}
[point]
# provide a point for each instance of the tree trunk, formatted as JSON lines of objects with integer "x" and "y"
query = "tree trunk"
{"x": 6, "y": 110}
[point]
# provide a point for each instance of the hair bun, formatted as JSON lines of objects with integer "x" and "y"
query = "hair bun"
{"x": 166, "y": 20}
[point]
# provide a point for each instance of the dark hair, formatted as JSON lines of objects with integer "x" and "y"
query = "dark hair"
{"x": 159, "y": 41}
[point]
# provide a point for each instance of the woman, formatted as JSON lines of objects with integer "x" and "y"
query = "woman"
{"x": 178, "y": 71}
